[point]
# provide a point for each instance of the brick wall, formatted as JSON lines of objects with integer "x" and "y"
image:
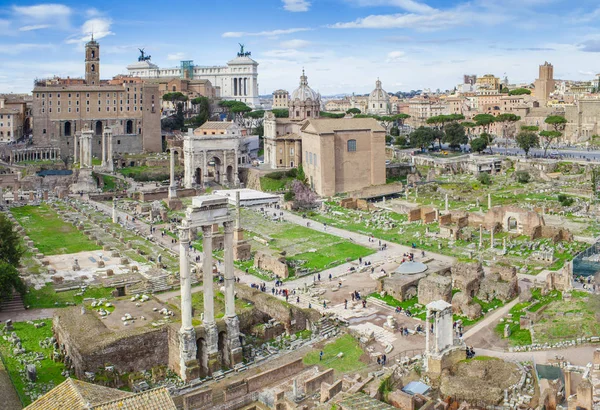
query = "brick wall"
{"x": 314, "y": 383}
{"x": 198, "y": 400}
{"x": 272, "y": 376}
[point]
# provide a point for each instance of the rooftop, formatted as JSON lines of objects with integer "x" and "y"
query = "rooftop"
{"x": 331, "y": 125}
{"x": 216, "y": 125}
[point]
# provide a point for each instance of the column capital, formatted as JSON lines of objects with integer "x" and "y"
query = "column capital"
{"x": 184, "y": 234}
{"x": 207, "y": 231}
{"x": 228, "y": 226}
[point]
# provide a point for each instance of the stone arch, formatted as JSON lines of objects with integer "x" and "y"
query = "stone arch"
{"x": 198, "y": 176}
{"x": 216, "y": 163}
{"x": 68, "y": 130}
{"x": 223, "y": 349}
{"x": 229, "y": 174}
{"x": 202, "y": 356}
{"x": 512, "y": 224}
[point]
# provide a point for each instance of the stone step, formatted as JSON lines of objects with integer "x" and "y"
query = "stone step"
{"x": 15, "y": 304}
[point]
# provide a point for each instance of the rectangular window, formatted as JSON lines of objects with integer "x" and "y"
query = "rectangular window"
{"x": 351, "y": 145}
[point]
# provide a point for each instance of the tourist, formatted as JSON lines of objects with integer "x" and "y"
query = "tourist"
{"x": 330, "y": 277}
{"x": 383, "y": 359}
{"x": 324, "y": 305}
{"x": 298, "y": 299}
{"x": 345, "y": 303}
{"x": 378, "y": 360}
{"x": 320, "y": 355}
{"x": 319, "y": 277}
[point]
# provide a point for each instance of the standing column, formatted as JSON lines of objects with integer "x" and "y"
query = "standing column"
{"x": 224, "y": 172}
{"x": 436, "y": 335}
{"x": 114, "y": 211}
{"x": 81, "y": 156}
{"x": 184, "y": 277}
{"x": 229, "y": 276}
{"x": 187, "y": 334}
{"x": 489, "y": 201}
{"x": 103, "y": 149}
{"x": 172, "y": 187}
{"x": 204, "y": 169}
{"x": 109, "y": 149}
{"x": 236, "y": 177}
{"x": 427, "y": 329}
{"x": 492, "y": 240}
{"x": 480, "y": 236}
{"x": 446, "y": 202}
{"x": 207, "y": 275}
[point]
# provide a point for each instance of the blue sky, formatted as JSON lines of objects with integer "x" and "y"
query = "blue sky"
{"x": 344, "y": 45}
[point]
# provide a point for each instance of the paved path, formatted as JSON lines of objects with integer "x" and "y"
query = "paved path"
{"x": 578, "y": 356}
{"x": 29, "y": 314}
{"x": 8, "y": 395}
{"x": 490, "y": 319}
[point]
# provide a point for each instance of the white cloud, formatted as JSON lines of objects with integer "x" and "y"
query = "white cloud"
{"x": 176, "y": 56}
{"x": 93, "y": 12}
{"x": 295, "y": 43}
{"x": 296, "y": 5}
{"x": 44, "y": 12}
{"x": 408, "y": 5}
{"x": 4, "y": 26}
{"x": 435, "y": 20}
{"x": 394, "y": 56}
{"x": 271, "y": 33}
{"x": 14, "y": 49}
{"x": 34, "y": 27}
{"x": 99, "y": 27}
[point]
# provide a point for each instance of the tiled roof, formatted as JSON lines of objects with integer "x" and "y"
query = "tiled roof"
{"x": 156, "y": 399}
{"x": 215, "y": 125}
{"x": 76, "y": 395}
{"x": 330, "y": 125}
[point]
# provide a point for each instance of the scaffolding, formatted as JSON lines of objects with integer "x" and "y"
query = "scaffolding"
{"x": 187, "y": 69}
{"x": 587, "y": 263}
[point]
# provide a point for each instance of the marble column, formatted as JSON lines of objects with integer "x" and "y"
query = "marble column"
{"x": 172, "y": 187}
{"x": 114, "y": 211}
{"x": 446, "y": 202}
{"x": 229, "y": 275}
{"x": 224, "y": 172}
{"x": 427, "y": 328}
{"x": 492, "y": 238}
{"x": 236, "y": 177}
{"x": 489, "y": 201}
{"x": 109, "y": 149}
{"x": 103, "y": 149}
{"x": 204, "y": 169}
{"x": 480, "y": 236}
{"x": 184, "y": 277}
{"x": 187, "y": 334}
{"x": 210, "y": 327}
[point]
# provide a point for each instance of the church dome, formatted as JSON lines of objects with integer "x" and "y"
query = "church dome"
{"x": 378, "y": 93}
{"x": 304, "y": 92}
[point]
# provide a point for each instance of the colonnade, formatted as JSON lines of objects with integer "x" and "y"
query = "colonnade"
{"x": 35, "y": 154}
{"x": 240, "y": 86}
{"x": 82, "y": 148}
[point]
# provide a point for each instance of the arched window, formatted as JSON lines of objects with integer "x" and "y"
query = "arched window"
{"x": 93, "y": 67}
{"x": 129, "y": 127}
{"x": 174, "y": 88}
{"x": 68, "y": 129}
{"x": 93, "y": 53}
{"x": 351, "y": 145}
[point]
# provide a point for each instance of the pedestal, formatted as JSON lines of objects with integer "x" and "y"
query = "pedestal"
{"x": 85, "y": 182}
{"x": 233, "y": 340}
{"x": 174, "y": 204}
{"x": 212, "y": 346}
{"x": 188, "y": 364}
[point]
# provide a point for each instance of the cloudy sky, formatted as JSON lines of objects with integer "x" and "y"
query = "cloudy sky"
{"x": 344, "y": 45}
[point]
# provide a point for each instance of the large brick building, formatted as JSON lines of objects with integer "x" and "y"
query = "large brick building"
{"x": 61, "y": 107}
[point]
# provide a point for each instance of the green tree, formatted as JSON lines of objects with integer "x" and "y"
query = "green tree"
{"x": 401, "y": 118}
{"x": 326, "y": 114}
{"x": 401, "y": 141}
{"x": 504, "y": 90}
{"x": 455, "y": 135}
{"x": 10, "y": 281}
{"x": 179, "y": 118}
{"x": 532, "y": 128}
{"x": 422, "y": 137}
{"x": 469, "y": 126}
{"x": 300, "y": 175}
{"x": 256, "y": 118}
{"x": 488, "y": 139}
{"x": 548, "y": 137}
{"x": 281, "y": 113}
{"x": 484, "y": 121}
{"x": 484, "y": 178}
{"x": 10, "y": 244}
{"x": 527, "y": 140}
{"x": 558, "y": 124}
{"x": 507, "y": 120}
{"x": 519, "y": 91}
{"x": 203, "y": 106}
{"x": 523, "y": 177}
{"x": 353, "y": 111}
{"x": 394, "y": 131}
{"x": 236, "y": 110}
{"x": 479, "y": 144}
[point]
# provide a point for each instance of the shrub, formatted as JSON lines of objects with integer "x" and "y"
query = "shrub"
{"x": 292, "y": 173}
{"x": 565, "y": 200}
{"x": 523, "y": 177}
{"x": 288, "y": 196}
{"x": 484, "y": 178}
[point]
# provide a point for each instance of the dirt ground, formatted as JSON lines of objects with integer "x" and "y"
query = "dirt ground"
{"x": 145, "y": 310}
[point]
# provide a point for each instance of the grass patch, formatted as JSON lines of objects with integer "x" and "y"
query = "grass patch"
{"x": 146, "y": 173}
{"x": 51, "y": 235}
{"x": 349, "y": 362}
{"x": 47, "y": 297}
{"x": 274, "y": 185}
{"x": 331, "y": 255}
{"x": 393, "y": 302}
{"x": 48, "y": 371}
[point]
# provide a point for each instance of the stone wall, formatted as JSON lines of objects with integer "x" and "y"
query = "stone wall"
{"x": 330, "y": 390}
{"x": 314, "y": 383}
{"x": 236, "y": 390}
{"x": 271, "y": 263}
{"x": 501, "y": 283}
{"x": 164, "y": 194}
{"x": 401, "y": 400}
{"x": 198, "y": 400}
{"x": 467, "y": 276}
{"x": 401, "y": 287}
{"x": 435, "y": 287}
{"x": 272, "y": 376}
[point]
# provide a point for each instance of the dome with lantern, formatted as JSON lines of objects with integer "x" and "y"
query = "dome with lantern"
{"x": 305, "y": 102}
{"x": 379, "y": 101}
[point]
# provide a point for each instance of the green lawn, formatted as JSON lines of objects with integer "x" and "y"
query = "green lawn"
{"x": 48, "y": 371}
{"x": 348, "y": 363}
{"x": 274, "y": 185}
{"x": 331, "y": 255}
{"x": 47, "y": 297}
{"x": 51, "y": 235}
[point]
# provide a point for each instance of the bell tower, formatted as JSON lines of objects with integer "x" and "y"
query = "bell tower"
{"x": 92, "y": 62}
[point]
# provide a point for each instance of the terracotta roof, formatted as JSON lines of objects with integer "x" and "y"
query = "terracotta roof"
{"x": 330, "y": 125}
{"x": 75, "y": 395}
{"x": 155, "y": 399}
{"x": 215, "y": 125}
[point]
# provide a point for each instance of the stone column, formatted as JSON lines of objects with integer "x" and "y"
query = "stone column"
{"x": 503, "y": 245}
{"x": 229, "y": 276}
{"x": 480, "y": 236}
{"x": 172, "y": 187}
{"x": 446, "y": 200}
{"x": 81, "y": 154}
{"x": 236, "y": 176}
{"x": 210, "y": 327}
{"x": 426, "y": 333}
{"x": 204, "y": 169}
{"x": 492, "y": 238}
{"x": 184, "y": 277}
{"x": 104, "y": 149}
{"x": 187, "y": 334}
{"x": 238, "y": 215}
{"x": 114, "y": 211}
{"x": 224, "y": 172}
{"x": 489, "y": 201}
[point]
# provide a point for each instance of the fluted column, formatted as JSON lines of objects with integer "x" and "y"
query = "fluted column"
{"x": 103, "y": 150}
{"x": 229, "y": 275}
{"x": 207, "y": 275}
{"x": 172, "y": 187}
{"x": 184, "y": 278}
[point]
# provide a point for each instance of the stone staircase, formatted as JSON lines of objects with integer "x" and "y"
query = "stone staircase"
{"x": 159, "y": 283}
{"x": 13, "y": 305}
{"x": 326, "y": 327}
{"x": 380, "y": 304}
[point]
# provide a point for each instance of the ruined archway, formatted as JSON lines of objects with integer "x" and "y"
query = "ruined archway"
{"x": 198, "y": 176}
{"x": 202, "y": 356}
{"x": 511, "y": 224}
{"x": 224, "y": 349}
{"x": 215, "y": 169}
{"x": 230, "y": 174}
